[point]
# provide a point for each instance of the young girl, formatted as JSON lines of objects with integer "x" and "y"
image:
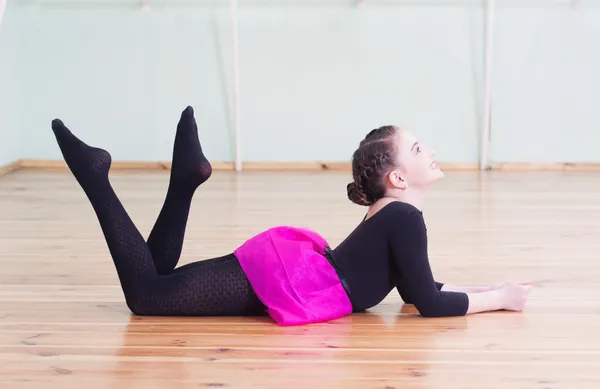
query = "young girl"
{"x": 290, "y": 273}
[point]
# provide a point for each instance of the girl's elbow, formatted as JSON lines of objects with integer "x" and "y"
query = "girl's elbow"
{"x": 431, "y": 314}
{"x": 429, "y": 310}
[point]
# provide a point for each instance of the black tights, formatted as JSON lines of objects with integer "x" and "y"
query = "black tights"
{"x": 146, "y": 270}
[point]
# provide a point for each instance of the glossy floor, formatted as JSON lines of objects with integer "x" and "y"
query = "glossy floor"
{"x": 64, "y": 324}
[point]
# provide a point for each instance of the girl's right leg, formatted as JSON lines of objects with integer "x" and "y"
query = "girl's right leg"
{"x": 213, "y": 287}
{"x": 189, "y": 169}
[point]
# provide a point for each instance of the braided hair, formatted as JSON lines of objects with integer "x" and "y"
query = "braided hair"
{"x": 374, "y": 158}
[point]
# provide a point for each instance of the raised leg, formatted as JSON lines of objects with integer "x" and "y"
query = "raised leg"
{"x": 213, "y": 287}
{"x": 189, "y": 170}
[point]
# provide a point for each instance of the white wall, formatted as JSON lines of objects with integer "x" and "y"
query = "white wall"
{"x": 119, "y": 78}
{"x": 315, "y": 82}
{"x": 547, "y": 85}
{"x": 314, "y": 79}
{"x": 10, "y": 141}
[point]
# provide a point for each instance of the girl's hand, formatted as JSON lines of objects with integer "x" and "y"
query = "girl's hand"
{"x": 514, "y": 295}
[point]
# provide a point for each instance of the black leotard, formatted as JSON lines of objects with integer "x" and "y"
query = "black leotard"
{"x": 387, "y": 251}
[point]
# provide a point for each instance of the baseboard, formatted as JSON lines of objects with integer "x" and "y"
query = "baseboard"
{"x": 11, "y": 167}
{"x": 216, "y": 165}
{"x": 117, "y": 165}
{"x": 324, "y": 166}
{"x": 248, "y": 166}
{"x": 527, "y": 166}
{"x": 294, "y": 166}
{"x": 302, "y": 166}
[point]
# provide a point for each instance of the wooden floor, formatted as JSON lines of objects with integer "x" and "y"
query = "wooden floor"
{"x": 64, "y": 324}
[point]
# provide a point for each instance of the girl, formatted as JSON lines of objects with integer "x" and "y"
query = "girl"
{"x": 288, "y": 272}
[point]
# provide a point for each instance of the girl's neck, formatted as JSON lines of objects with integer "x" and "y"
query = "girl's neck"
{"x": 413, "y": 197}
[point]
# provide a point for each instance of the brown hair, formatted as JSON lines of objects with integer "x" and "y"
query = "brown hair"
{"x": 374, "y": 158}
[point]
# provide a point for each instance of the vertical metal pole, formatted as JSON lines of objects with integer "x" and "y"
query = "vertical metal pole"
{"x": 236, "y": 83}
{"x": 487, "y": 102}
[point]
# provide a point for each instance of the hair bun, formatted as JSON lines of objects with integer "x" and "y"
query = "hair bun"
{"x": 357, "y": 195}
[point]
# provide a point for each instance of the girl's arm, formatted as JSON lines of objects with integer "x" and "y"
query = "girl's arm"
{"x": 409, "y": 248}
{"x": 479, "y": 289}
{"x": 501, "y": 295}
{"x": 416, "y": 284}
{"x": 466, "y": 288}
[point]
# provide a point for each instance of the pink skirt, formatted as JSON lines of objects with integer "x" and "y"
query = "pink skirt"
{"x": 290, "y": 275}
